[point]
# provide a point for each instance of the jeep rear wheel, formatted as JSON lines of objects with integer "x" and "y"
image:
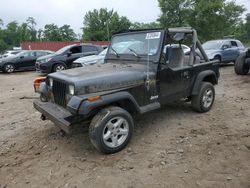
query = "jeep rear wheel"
{"x": 240, "y": 67}
{"x": 203, "y": 102}
{"x": 111, "y": 130}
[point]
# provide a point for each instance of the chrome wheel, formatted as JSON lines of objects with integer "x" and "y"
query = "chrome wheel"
{"x": 59, "y": 68}
{"x": 9, "y": 68}
{"x": 115, "y": 132}
{"x": 207, "y": 98}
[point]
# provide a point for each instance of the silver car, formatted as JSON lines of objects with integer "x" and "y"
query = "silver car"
{"x": 90, "y": 60}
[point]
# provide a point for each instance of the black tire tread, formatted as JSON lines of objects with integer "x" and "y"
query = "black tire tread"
{"x": 97, "y": 121}
{"x": 196, "y": 99}
{"x": 240, "y": 67}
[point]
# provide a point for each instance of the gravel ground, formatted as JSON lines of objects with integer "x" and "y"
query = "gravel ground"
{"x": 171, "y": 148}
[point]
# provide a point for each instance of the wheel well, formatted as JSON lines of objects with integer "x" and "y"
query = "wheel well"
{"x": 218, "y": 55}
{"x": 126, "y": 104}
{"x": 211, "y": 79}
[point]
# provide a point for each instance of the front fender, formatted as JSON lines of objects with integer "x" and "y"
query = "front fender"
{"x": 78, "y": 105}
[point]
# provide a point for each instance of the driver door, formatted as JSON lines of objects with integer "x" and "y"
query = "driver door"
{"x": 175, "y": 76}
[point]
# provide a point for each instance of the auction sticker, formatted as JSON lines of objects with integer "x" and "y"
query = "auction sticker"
{"x": 155, "y": 35}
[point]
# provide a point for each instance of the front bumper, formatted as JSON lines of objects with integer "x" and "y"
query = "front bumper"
{"x": 42, "y": 68}
{"x": 59, "y": 116}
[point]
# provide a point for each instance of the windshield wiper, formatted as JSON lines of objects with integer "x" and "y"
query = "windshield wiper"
{"x": 134, "y": 52}
{"x": 117, "y": 55}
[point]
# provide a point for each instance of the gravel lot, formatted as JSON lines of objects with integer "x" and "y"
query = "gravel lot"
{"x": 171, "y": 148}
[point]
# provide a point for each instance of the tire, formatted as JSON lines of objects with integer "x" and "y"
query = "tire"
{"x": 9, "y": 68}
{"x": 240, "y": 67}
{"x": 59, "y": 67}
{"x": 203, "y": 102}
{"x": 114, "y": 123}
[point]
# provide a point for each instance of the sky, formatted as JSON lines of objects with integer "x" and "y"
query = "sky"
{"x": 72, "y": 12}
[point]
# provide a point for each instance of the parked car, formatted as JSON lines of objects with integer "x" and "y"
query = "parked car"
{"x": 24, "y": 60}
{"x": 224, "y": 50}
{"x": 242, "y": 64}
{"x": 134, "y": 81}
{"x": 63, "y": 58}
{"x": 90, "y": 60}
{"x": 10, "y": 53}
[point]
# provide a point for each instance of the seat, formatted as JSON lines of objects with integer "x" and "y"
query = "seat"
{"x": 175, "y": 56}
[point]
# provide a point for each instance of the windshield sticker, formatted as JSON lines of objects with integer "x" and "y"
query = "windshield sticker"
{"x": 155, "y": 35}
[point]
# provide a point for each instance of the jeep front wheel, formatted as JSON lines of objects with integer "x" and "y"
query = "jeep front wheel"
{"x": 111, "y": 129}
{"x": 203, "y": 102}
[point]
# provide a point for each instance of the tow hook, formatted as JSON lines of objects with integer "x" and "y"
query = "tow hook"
{"x": 43, "y": 117}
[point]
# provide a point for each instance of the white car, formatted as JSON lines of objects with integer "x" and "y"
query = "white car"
{"x": 10, "y": 53}
{"x": 90, "y": 60}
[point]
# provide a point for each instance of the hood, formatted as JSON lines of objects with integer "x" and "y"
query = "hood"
{"x": 10, "y": 58}
{"x": 46, "y": 57}
{"x": 211, "y": 51}
{"x": 87, "y": 59}
{"x": 105, "y": 77}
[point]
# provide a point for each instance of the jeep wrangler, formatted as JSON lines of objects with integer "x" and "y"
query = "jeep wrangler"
{"x": 144, "y": 70}
{"x": 242, "y": 64}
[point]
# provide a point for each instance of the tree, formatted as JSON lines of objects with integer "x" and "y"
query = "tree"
{"x": 211, "y": 18}
{"x": 51, "y": 33}
{"x": 67, "y": 33}
{"x": 31, "y": 23}
{"x": 1, "y": 22}
{"x": 247, "y": 27}
{"x": 138, "y": 25}
{"x": 174, "y": 12}
{"x": 101, "y": 24}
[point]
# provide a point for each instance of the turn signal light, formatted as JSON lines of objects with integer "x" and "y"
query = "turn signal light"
{"x": 92, "y": 99}
{"x": 37, "y": 83}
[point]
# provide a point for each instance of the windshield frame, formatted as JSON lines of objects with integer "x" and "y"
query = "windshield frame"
{"x": 130, "y": 56}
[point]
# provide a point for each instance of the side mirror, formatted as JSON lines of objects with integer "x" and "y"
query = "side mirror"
{"x": 21, "y": 57}
{"x": 69, "y": 54}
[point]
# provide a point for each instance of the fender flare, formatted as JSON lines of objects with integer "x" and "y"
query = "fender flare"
{"x": 201, "y": 76}
{"x": 81, "y": 106}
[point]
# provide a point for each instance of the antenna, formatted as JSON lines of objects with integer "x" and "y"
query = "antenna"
{"x": 147, "y": 80}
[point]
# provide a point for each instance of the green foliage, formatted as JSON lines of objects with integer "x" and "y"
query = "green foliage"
{"x": 15, "y": 33}
{"x": 138, "y": 25}
{"x": 99, "y": 25}
{"x": 211, "y": 18}
{"x": 51, "y": 33}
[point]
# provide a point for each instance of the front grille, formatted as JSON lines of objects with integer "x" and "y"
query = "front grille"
{"x": 59, "y": 91}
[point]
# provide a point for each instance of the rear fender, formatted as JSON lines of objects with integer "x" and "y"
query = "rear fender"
{"x": 208, "y": 76}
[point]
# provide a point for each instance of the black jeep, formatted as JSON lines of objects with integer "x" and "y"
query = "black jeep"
{"x": 242, "y": 64}
{"x": 144, "y": 70}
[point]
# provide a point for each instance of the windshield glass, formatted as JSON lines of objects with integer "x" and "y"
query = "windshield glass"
{"x": 140, "y": 44}
{"x": 62, "y": 50}
{"x": 212, "y": 45}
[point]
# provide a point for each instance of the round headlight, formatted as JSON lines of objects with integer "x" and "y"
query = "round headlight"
{"x": 71, "y": 89}
{"x": 51, "y": 82}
